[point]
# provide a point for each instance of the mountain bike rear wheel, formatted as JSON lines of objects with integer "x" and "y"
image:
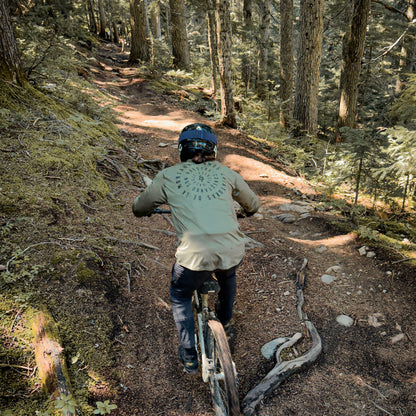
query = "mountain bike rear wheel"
{"x": 222, "y": 378}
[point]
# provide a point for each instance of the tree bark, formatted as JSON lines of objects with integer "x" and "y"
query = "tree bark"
{"x": 406, "y": 51}
{"x": 212, "y": 43}
{"x": 352, "y": 53}
{"x": 246, "y": 64}
{"x": 155, "y": 20}
{"x": 180, "y": 47}
{"x": 262, "y": 72}
{"x": 225, "y": 67}
{"x": 92, "y": 21}
{"x": 103, "y": 22}
{"x": 10, "y": 64}
{"x": 286, "y": 62}
{"x": 308, "y": 67}
{"x": 139, "y": 50}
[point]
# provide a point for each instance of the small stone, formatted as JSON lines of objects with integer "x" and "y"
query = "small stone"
{"x": 321, "y": 249}
{"x": 345, "y": 320}
{"x": 333, "y": 269}
{"x": 287, "y": 293}
{"x": 327, "y": 278}
{"x": 362, "y": 251}
{"x": 268, "y": 350}
{"x": 371, "y": 254}
{"x": 286, "y": 218}
{"x": 163, "y": 144}
{"x": 258, "y": 216}
{"x": 376, "y": 319}
{"x": 397, "y": 338}
{"x": 301, "y": 209}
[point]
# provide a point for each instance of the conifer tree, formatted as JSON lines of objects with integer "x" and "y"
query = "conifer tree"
{"x": 180, "y": 47}
{"x": 225, "y": 65}
{"x": 352, "y": 52}
{"x": 10, "y": 64}
{"x": 286, "y": 61}
{"x": 308, "y": 65}
{"x": 139, "y": 50}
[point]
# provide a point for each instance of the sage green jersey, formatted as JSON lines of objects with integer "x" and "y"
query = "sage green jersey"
{"x": 201, "y": 198}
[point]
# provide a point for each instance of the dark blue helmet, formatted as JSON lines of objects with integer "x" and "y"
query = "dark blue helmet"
{"x": 197, "y": 139}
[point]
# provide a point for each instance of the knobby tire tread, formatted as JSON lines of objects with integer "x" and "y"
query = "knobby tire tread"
{"x": 222, "y": 350}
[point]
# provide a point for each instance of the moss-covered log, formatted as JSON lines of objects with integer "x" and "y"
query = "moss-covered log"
{"x": 49, "y": 357}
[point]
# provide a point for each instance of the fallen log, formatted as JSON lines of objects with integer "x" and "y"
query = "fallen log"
{"x": 49, "y": 358}
{"x": 284, "y": 369}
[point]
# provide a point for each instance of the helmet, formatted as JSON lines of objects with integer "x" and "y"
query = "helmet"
{"x": 197, "y": 139}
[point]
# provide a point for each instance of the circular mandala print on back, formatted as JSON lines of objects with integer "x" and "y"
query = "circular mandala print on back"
{"x": 200, "y": 182}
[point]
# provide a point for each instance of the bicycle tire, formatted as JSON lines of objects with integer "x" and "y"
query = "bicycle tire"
{"x": 222, "y": 380}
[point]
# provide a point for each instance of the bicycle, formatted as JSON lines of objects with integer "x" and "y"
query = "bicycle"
{"x": 217, "y": 366}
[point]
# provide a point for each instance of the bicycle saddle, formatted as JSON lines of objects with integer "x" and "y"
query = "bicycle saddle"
{"x": 210, "y": 285}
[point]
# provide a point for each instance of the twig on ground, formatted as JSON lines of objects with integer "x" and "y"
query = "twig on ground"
{"x": 28, "y": 248}
{"x": 372, "y": 388}
{"x": 380, "y": 408}
{"x": 165, "y": 232}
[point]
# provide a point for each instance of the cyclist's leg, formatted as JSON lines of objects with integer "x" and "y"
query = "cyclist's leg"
{"x": 226, "y": 296}
{"x": 183, "y": 284}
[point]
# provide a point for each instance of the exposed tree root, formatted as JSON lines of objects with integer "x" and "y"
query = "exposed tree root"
{"x": 284, "y": 369}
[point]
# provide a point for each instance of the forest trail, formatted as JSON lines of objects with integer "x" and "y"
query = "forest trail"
{"x": 366, "y": 369}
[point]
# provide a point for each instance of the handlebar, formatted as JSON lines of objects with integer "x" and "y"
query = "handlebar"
{"x": 161, "y": 211}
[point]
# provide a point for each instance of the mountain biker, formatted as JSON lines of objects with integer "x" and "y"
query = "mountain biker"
{"x": 201, "y": 193}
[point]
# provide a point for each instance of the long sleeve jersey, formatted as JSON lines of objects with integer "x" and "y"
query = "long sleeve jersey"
{"x": 201, "y": 198}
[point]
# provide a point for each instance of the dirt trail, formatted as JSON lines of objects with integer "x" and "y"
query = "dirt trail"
{"x": 360, "y": 371}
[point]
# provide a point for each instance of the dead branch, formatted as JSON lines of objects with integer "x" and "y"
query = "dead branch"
{"x": 284, "y": 369}
{"x": 391, "y": 8}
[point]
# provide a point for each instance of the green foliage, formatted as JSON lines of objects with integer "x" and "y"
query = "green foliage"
{"x": 402, "y": 152}
{"x": 368, "y": 233}
{"x": 104, "y": 408}
{"x": 404, "y": 108}
{"x": 66, "y": 403}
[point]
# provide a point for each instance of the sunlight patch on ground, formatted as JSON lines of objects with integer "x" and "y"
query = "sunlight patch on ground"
{"x": 272, "y": 202}
{"x": 172, "y": 122}
{"x": 252, "y": 169}
{"x": 337, "y": 241}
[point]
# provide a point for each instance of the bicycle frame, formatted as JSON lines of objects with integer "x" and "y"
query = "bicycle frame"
{"x": 203, "y": 314}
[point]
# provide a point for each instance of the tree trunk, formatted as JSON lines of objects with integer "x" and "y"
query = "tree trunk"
{"x": 246, "y": 64}
{"x": 180, "y": 48}
{"x": 155, "y": 20}
{"x": 116, "y": 36}
{"x": 286, "y": 62}
{"x": 103, "y": 22}
{"x": 93, "y": 21}
{"x": 352, "y": 53}
{"x": 309, "y": 60}
{"x": 139, "y": 50}
{"x": 406, "y": 51}
{"x": 212, "y": 42}
{"x": 10, "y": 64}
{"x": 406, "y": 187}
{"x": 224, "y": 58}
{"x": 265, "y": 13}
